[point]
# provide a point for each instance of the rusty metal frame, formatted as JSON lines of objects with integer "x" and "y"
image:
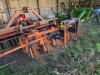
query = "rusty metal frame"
{"x": 9, "y": 30}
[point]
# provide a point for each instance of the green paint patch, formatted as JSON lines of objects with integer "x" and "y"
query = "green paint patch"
{"x": 98, "y": 47}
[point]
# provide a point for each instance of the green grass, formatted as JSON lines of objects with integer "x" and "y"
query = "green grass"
{"x": 5, "y": 71}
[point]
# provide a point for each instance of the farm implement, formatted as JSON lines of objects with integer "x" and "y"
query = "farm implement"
{"x": 36, "y": 38}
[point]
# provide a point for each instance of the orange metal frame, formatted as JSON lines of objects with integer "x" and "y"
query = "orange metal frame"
{"x": 25, "y": 43}
{"x": 66, "y": 32}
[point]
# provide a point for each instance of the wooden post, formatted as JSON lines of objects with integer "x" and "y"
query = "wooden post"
{"x": 8, "y": 7}
{"x": 57, "y": 5}
{"x": 38, "y": 6}
{"x": 65, "y": 40}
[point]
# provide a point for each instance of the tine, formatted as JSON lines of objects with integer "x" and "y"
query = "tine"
{"x": 3, "y": 46}
{"x": 12, "y": 40}
{"x": 8, "y": 43}
{"x": 17, "y": 41}
{"x": 0, "y": 46}
{"x": 31, "y": 53}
